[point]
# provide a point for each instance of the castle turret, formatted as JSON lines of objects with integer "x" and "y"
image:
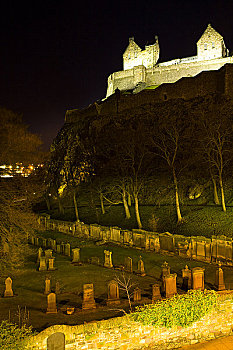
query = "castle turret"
{"x": 211, "y": 45}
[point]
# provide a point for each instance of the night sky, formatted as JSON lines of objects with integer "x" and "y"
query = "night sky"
{"x": 57, "y": 55}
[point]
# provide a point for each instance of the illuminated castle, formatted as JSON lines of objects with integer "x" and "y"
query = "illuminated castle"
{"x": 141, "y": 70}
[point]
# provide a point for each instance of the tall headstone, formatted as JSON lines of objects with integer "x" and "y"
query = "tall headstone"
{"x": 165, "y": 270}
{"x": 47, "y": 289}
{"x": 62, "y": 248}
{"x": 52, "y": 306}
{"x": 113, "y": 293}
{"x": 53, "y": 244}
{"x": 141, "y": 269}
{"x": 36, "y": 241}
{"x": 57, "y": 288}
{"x": 156, "y": 295}
{"x": 67, "y": 249}
{"x": 58, "y": 249}
{"x": 108, "y": 259}
{"x": 40, "y": 252}
{"x": 51, "y": 264}
{"x": 187, "y": 278}
{"x": 129, "y": 264}
{"x": 88, "y": 297}
{"x": 44, "y": 242}
{"x": 137, "y": 295}
{"x": 198, "y": 278}
{"x": 76, "y": 255}
{"x": 43, "y": 265}
{"x": 8, "y": 291}
{"x": 170, "y": 285}
{"x": 219, "y": 279}
{"x": 48, "y": 254}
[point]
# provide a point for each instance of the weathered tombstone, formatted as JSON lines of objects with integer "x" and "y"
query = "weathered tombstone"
{"x": 198, "y": 278}
{"x": 57, "y": 288}
{"x": 137, "y": 295}
{"x": 156, "y": 295}
{"x": 95, "y": 260}
{"x": 52, "y": 306}
{"x": 219, "y": 279}
{"x": 165, "y": 270}
{"x": 51, "y": 264}
{"x": 113, "y": 293}
{"x": 58, "y": 249}
{"x": 141, "y": 269}
{"x": 76, "y": 255}
{"x": 170, "y": 285}
{"x": 8, "y": 291}
{"x": 88, "y": 297}
{"x": 47, "y": 289}
{"x": 128, "y": 264}
{"x": 53, "y": 244}
{"x": 36, "y": 241}
{"x": 48, "y": 254}
{"x": 67, "y": 249}
{"x": 62, "y": 248}
{"x": 40, "y": 251}
{"x": 108, "y": 259}
{"x": 56, "y": 341}
{"x": 44, "y": 242}
{"x": 43, "y": 265}
{"x": 187, "y": 278}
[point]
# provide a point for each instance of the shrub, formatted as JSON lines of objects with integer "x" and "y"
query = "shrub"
{"x": 180, "y": 310}
{"x": 12, "y": 337}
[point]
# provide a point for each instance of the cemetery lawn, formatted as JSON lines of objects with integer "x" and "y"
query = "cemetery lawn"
{"x": 28, "y": 282}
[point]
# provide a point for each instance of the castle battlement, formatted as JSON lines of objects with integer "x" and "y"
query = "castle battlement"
{"x": 141, "y": 70}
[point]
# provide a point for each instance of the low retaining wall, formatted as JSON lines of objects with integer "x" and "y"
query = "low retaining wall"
{"x": 216, "y": 248}
{"x": 125, "y": 334}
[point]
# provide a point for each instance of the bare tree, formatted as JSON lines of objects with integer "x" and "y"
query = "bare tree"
{"x": 125, "y": 283}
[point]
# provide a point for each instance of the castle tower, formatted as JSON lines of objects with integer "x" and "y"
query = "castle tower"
{"x": 211, "y": 45}
{"x": 134, "y": 56}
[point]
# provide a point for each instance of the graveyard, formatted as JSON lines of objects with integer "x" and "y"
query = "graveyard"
{"x": 82, "y": 285}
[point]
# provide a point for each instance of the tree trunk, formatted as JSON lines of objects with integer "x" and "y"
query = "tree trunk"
{"x": 137, "y": 212}
{"x": 75, "y": 206}
{"x": 61, "y": 209}
{"x": 129, "y": 200}
{"x": 47, "y": 200}
{"x": 102, "y": 203}
{"x": 179, "y": 217}
{"x": 216, "y": 199}
{"x": 127, "y": 212}
{"x": 222, "y": 194}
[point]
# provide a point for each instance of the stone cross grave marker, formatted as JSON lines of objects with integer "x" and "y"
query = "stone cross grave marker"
{"x": 137, "y": 295}
{"x": 88, "y": 297}
{"x": 113, "y": 293}
{"x": 187, "y": 278}
{"x": 198, "y": 278}
{"x": 8, "y": 291}
{"x": 156, "y": 295}
{"x": 56, "y": 341}
{"x": 170, "y": 285}
{"x": 219, "y": 279}
{"x": 43, "y": 265}
{"x": 40, "y": 252}
{"x": 141, "y": 269}
{"x": 108, "y": 259}
{"x": 129, "y": 264}
{"x": 47, "y": 289}
{"x": 52, "y": 306}
{"x": 76, "y": 255}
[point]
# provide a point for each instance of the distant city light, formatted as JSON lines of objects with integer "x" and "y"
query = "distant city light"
{"x": 7, "y": 171}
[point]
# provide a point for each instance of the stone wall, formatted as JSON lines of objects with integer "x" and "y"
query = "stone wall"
{"x": 216, "y": 248}
{"x": 123, "y": 333}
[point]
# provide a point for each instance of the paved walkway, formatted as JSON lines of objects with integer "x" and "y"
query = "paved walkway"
{"x": 225, "y": 343}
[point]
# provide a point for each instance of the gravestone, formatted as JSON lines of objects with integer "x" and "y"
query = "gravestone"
{"x": 8, "y": 291}
{"x": 67, "y": 249}
{"x": 95, "y": 260}
{"x": 44, "y": 242}
{"x": 156, "y": 295}
{"x": 40, "y": 251}
{"x": 76, "y": 255}
{"x": 137, "y": 295}
{"x": 36, "y": 241}
{"x": 113, "y": 293}
{"x": 141, "y": 269}
{"x": 165, "y": 270}
{"x": 48, "y": 254}
{"x": 198, "y": 278}
{"x": 57, "y": 288}
{"x": 62, "y": 248}
{"x": 51, "y": 264}
{"x": 187, "y": 278}
{"x": 88, "y": 297}
{"x": 128, "y": 264}
{"x": 47, "y": 289}
{"x": 219, "y": 279}
{"x": 170, "y": 285}
{"x": 58, "y": 249}
{"x": 53, "y": 244}
{"x": 56, "y": 341}
{"x": 43, "y": 265}
{"x": 52, "y": 307}
{"x": 108, "y": 259}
